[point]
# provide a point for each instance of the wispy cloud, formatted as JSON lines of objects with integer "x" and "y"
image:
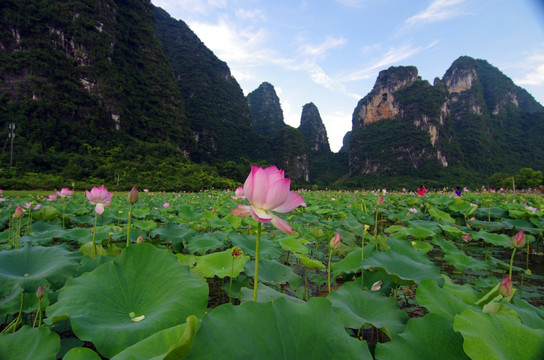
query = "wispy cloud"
{"x": 321, "y": 49}
{"x": 439, "y": 10}
{"x": 534, "y": 71}
{"x": 392, "y": 57}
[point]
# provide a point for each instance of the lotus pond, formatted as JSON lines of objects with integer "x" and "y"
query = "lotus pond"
{"x": 171, "y": 276}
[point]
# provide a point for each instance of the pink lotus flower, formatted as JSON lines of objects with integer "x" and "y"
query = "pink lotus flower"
{"x": 52, "y": 197}
{"x": 239, "y": 194}
{"x": 65, "y": 192}
{"x": 267, "y": 190}
{"x": 100, "y": 197}
{"x": 166, "y": 205}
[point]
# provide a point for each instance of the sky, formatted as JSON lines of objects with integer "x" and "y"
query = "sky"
{"x": 330, "y": 52}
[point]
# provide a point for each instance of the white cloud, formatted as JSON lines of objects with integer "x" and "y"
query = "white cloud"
{"x": 534, "y": 71}
{"x": 392, "y": 57}
{"x": 337, "y": 123}
{"x": 321, "y": 49}
{"x": 439, "y": 10}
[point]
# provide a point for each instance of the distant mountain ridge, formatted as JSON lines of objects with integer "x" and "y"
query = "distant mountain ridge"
{"x": 114, "y": 91}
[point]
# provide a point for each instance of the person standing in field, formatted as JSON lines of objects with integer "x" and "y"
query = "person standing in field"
{"x": 458, "y": 192}
{"x": 421, "y": 190}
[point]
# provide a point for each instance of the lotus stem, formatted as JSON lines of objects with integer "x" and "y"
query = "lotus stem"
{"x": 259, "y": 227}
{"x": 18, "y": 234}
{"x": 94, "y": 231}
{"x": 38, "y": 313}
{"x": 362, "y": 259}
{"x": 512, "y": 262}
{"x": 230, "y": 281}
{"x": 128, "y": 225}
{"x": 329, "y": 271}
{"x": 20, "y": 311}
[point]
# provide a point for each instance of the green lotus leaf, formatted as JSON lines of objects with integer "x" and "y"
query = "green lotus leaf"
{"x": 530, "y": 315}
{"x": 81, "y": 353}
{"x": 422, "y": 246}
{"x": 279, "y": 329}
{"x": 441, "y": 215}
{"x": 145, "y": 225}
{"x": 220, "y": 264}
{"x": 494, "y": 239}
{"x": 420, "y": 232}
{"x": 310, "y": 263}
{"x": 428, "y": 337}
{"x": 351, "y": 264}
{"x": 173, "y": 233}
{"x": 355, "y": 307}
{"x": 272, "y": 272}
{"x": 429, "y": 225}
{"x": 293, "y": 245}
{"x": 458, "y": 258}
{"x": 499, "y": 336}
{"x": 451, "y": 230}
{"x": 30, "y": 344}
{"x": 46, "y": 213}
{"x": 158, "y": 345}
{"x": 123, "y": 301}
{"x": 465, "y": 292}
{"x": 41, "y": 233}
{"x": 438, "y": 300}
{"x": 9, "y": 290}
{"x": 264, "y": 294}
{"x": 402, "y": 263}
{"x": 204, "y": 242}
{"x": 268, "y": 248}
{"x": 522, "y": 224}
{"x": 33, "y": 266}
{"x": 491, "y": 226}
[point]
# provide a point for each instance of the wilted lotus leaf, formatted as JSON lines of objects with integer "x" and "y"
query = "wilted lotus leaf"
{"x": 123, "y": 301}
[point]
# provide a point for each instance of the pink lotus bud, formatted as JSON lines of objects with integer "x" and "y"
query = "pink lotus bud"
{"x": 133, "y": 195}
{"x": 335, "y": 241}
{"x": 140, "y": 239}
{"x": 505, "y": 287}
{"x": 380, "y": 201}
{"x": 40, "y": 292}
{"x": 466, "y": 237}
{"x": 518, "y": 240}
{"x": 18, "y": 213}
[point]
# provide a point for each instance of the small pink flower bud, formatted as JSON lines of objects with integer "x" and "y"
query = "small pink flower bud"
{"x": 518, "y": 240}
{"x": 380, "y": 201}
{"x": 18, "y": 213}
{"x": 140, "y": 239}
{"x": 236, "y": 252}
{"x": 335, "y": 241}
{"x": 40, "y": 292}
{"x": 133, "y": 195}
{"x": 505, "y": 287}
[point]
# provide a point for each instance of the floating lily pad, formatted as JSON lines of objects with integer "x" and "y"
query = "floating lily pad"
{"x": 121, "y": 302}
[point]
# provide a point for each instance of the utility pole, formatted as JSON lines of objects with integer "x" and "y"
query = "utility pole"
{"x": 11, "y": 136}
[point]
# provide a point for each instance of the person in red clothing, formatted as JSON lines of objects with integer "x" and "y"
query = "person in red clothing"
{"x": 421, "y": 191}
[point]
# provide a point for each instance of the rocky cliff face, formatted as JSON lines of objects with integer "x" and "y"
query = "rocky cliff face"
{"x": 265, "y": 110}
{"x": 463, "y": 119}
{"x": 313, "y": 130}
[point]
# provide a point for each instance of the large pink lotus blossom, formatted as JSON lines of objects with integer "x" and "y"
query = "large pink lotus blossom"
{"x": 65, "y": 192}
{"x": 100, "y": 197}
{"x": 267, "y": 190}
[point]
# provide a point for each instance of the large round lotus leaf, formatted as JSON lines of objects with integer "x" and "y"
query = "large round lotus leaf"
{"x": 33, "y": 266}
{"x": 402, "y": 263}
{"x": 268, "y": 248}
{"x": 81, "y": 353}
{"x": 458, "y": 258}
{"x": 173, "y": 233}
{"x": 201, "y": 243}
{"x": 279, "y": 329}
{"x": 429, "y": 337}
{"x": 30, "y": 344}
{"x": 41, "y": 233}
{"x": 499, "y": 336}
{"x": 356, "y": 307}
{"x": 126, "y": 300}
{"x": 494, "y": 239}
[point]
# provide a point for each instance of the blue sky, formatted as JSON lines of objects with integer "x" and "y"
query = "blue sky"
{"x": 330, "y": 52}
